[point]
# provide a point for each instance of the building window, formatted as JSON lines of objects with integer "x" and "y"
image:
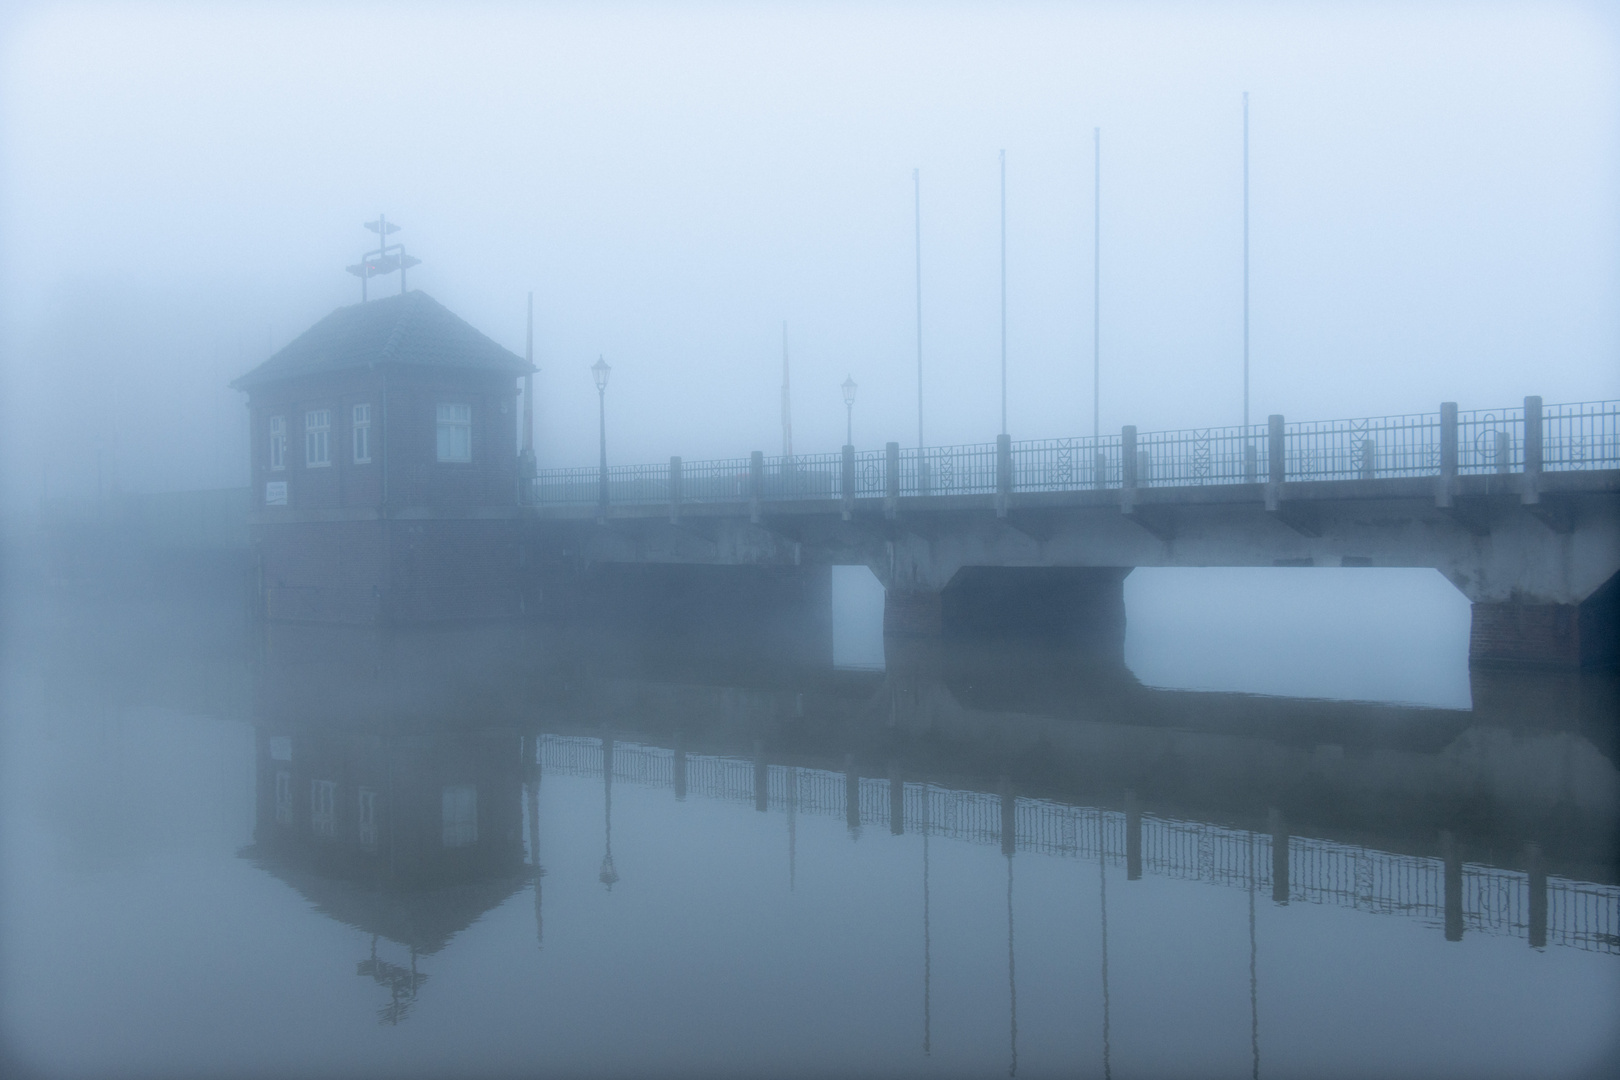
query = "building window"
{"x": 368, "y": 819}
{"x": 283, "y": 797}
{"x": 278, "y": 442}
{"x": 455, "y": 432}
{"x": 318, "y": 438}
{"x": 460, "y": 815}
{"x": 362, "y": 433}
{"x": 323, "y": 807}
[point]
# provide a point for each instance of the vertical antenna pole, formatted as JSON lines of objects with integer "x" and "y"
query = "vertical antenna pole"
{"x": 1096, "y": 285}
{"x": 1004, "y": 292}
{"x": 1245, "y": 260}
{"x": 916, "y": 199}
{"x": 528, "y": 383}
{"x": 787, "y": 400}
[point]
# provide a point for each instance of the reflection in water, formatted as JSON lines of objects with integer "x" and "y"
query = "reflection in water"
{"x": 398, "y": 791}
{"x": 1102, "y": 879}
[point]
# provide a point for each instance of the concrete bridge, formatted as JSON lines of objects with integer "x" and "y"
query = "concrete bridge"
{"x": 388, "y": 486}
{"x": 1518, "y": 507}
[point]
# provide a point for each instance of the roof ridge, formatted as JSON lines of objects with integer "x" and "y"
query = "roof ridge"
{"x": 389, "y": 346}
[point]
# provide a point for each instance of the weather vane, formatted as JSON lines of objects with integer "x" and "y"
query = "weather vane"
{"x": 385, "y": 259}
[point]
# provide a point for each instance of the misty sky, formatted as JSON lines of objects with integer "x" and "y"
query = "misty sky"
{"x": 1434, "y": 189}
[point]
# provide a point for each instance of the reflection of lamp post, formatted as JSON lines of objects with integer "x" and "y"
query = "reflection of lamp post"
{"x": 608, "y": 875}
{"x": 599, "y": 371}
{"x": 849, "y": 411}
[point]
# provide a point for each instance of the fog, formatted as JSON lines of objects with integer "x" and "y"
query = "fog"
{"x": 360, "y": 748}
{"x": 1433, "y": 213}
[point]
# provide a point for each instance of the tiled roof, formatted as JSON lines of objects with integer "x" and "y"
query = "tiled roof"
{"x": 407, "y": 328}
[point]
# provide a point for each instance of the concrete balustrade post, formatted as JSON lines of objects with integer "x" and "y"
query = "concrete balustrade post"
{"x": 1133, "y": 837}
{"x": 891, "y": 478}
{"x": 1533, "y": 448}
{"x": 1004, "y": 473}
{"x": 1127, "y": 467}
{"x": 1538, "y": 897}
{"x": 1279, "y": 856}
{"x": 1276, "y": 460}
{"x": 1447, "y": 486}
{"x": 1009, "y": 818}
{"x": 1451, "y": 859}
{"x": 897, "y": 801}
{"x": 674, "y": 490}
{"x": 852, "y": 797}
{"x": 679, "y": 769}
{"x": 756, "y": 484}
{"x": 848, "y": 488}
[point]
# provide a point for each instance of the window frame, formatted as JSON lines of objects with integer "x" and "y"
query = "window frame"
{"x": 360, "y": 432}
{"x": 278, "y": 443}
{"x": 317, "y": 435}
{"x": 283, "y": 800}
{"x": 323, "y": 803}
{"x": 366, "y": 818}
{"x": 449, "y": 425}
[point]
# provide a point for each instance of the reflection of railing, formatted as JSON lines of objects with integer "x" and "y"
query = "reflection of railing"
{"x": 1548, "y": 438}
{"x": 1493, "y": 900}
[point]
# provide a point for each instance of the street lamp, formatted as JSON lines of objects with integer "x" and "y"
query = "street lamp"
{"x": 599, "y": 372}
{"x": 849, "y": 411}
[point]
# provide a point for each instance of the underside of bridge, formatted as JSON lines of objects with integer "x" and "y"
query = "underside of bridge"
{"x": 1080, "y": 604}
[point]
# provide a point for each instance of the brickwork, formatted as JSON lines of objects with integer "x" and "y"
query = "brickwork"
{"x": 912, "y": 614}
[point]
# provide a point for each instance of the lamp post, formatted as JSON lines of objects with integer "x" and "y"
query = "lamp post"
{"x": 600, "y": 371}
{"x": 849, "y": 411}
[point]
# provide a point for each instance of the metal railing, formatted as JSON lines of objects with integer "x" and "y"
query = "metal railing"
{"x": 1550, "y": 438}
{"x": 1491, "y": 900}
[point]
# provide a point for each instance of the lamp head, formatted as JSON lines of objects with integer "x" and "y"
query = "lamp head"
{"x": 599, "y": 371}
{"x": 849, "y": 391}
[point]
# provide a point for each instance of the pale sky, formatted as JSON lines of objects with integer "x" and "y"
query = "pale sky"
{"x": 1433, "y": 187}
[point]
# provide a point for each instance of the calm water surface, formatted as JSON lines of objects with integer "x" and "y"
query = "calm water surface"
{"x": 510, "y": 850}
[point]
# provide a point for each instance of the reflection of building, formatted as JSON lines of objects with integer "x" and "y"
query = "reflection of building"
{"x": 390, "y": 788}
{"x": 408, "y": 837}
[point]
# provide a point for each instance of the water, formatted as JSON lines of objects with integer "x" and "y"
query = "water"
{"x": 1053, "y": 864}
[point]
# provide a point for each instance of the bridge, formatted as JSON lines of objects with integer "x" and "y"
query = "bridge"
{"x": 388, "y": 486}
{"x": 1519, "y": 507}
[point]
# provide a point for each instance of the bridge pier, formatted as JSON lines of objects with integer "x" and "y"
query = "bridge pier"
{"x": 780, "y": 614}
{"x": 1554, "y": 635}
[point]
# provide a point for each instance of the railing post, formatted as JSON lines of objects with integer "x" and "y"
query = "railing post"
{"x": 891, "y": 478}
{"x": 756, "y": 483}
{"x": 1448, "y": 454}
{"x": 1099, "y": 475}
{"x": 674, "y": 490}
{"x": 1127, "y": 467}
{"x": 1004, "y": 473}
{"x": 1277, "y": 460}
{"x": 1251, "y": 458}
{"x": 849, "y": 481}
{"x": 1533, "y": 448}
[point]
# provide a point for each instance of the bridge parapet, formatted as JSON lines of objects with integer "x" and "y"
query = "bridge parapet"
{"x": 1531, "y": 438}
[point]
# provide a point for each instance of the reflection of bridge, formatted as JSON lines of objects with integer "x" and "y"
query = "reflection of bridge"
{"x": 1451, "y": 893}
{"x": 1517, "y": 507}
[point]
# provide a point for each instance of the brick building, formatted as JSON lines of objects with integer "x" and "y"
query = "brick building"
{"x": 384, "y": 468}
